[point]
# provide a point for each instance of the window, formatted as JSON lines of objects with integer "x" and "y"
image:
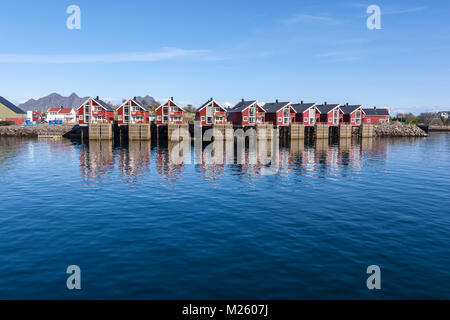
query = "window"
{"x": 217, "y": 109}
{"x": 353, "y": 119}
{"x": 368, "y": 120}
{"x": 209, "y": 120}
{"x": 203, "y": 118}
{"x": 280, "y": 119}
{"x": 158, "y": 118}
{"x": 80, "y": 117}
{"x": 119, "y": 118}
{"x": 245, "y": 119}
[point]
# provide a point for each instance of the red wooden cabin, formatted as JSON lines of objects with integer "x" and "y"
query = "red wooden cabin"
{"x": 279, "y": 113}
{"x": 330, "y": 114}
{"x": 353, "y": 114}
{"x": 94, "y": 111}
{"x": 211, "y": 113}
{"x": 375, "y": 115}
{"x": 169, "y": 113}
{"x": 132, "y": 112}
{"x": 306, "y": 113}
{"x": 246, "y": 113}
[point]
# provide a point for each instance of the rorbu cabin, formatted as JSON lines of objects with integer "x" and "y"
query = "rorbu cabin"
{"x": 132, "y": 112}
{"x": 353, "y": 114}
{"x": 279, "y": 113}
{"x": 376, "y": 115}
{"x": 94, "y": 111}
{"x": 246, "y": 113}
{"x": 306, "y": 113}
{"x": 169, "y": 113}
{"x": 330, "y": 114}
{"x": 211, "y": 112}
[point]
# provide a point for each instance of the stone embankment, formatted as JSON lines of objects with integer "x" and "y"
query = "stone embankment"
{"x": 396, "y": 129}
{"x": 36, "y": 130}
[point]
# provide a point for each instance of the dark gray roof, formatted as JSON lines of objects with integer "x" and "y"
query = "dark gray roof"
{"x": 347, "y": 109}
{"x": 103, "y": 104}
{"x": 208, "y": 102}
{"x": 140, "y": 105}
{"x": 242, "y": 105}
{"x": 325, "y": 108}
{"x": 274, "y": 106}
{"x": 376, "y": 112}
{"x": 302, "y": 107}
{"x": 11, "y": 106}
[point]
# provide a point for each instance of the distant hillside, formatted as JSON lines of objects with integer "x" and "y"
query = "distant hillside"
{"x": 72, "y": 101}
{"x": 150, "y": 101}
{"x": 53, "y": 100}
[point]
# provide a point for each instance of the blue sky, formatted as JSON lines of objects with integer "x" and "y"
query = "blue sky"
{"x": 192, "y": 50}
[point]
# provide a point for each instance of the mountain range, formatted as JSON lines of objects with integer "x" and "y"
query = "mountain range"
{"x": 72, "y": 101}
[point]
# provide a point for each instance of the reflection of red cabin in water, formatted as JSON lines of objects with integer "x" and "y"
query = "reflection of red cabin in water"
{"x": 94, "y": 111}
{"x": 211, "y": 113}
{"x": 306, "y": 113}
{"x": 169, "y": 113}
{"x": 246, "y": 113}
{"x": 353, "y": 114}
{"x": 279, "y": 113}
{"x": 132, "y": 112}
{"x": 330, "y": 114}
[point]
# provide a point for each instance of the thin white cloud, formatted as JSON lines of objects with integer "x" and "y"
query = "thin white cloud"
{"x": 310, "y": 18}
{"x": 340, "y": 56}
{"x": 402, "y": 11}
{"x": 151, "y": 56}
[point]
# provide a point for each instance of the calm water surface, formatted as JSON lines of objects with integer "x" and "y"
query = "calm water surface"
{"x": 140, "y": 226}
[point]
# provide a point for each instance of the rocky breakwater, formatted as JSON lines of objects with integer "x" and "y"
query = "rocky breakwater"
{"x": 37, "y": 130}
{"x": 397, "y": 129}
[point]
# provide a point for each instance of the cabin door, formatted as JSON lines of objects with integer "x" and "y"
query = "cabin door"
{"x": 209, "y": 114}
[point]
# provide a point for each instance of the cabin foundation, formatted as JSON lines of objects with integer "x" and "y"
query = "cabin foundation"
{"x": 139, "y": 131}
{"x": 223, "y": 131}
{"x": 345, "y": 131}
{"x": 177, "y": 132}
{"x": 101, "y": 131}
{"x": 264, "y": 131}
{"x": 322, "y": 131}
{"x": 297, "y": 131}
{"x": 366, "y": 130}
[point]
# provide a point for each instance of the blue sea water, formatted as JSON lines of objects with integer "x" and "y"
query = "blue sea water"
{"x": 142, "y": 227}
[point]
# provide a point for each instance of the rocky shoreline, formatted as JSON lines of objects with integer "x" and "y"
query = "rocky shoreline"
{"x": 397, "y": 129}
{"x": 36, "y": 130}
{"x": 69, "y": 130}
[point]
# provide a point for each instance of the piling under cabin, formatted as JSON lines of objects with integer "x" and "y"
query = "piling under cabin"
{"x": 211, "y": 112}
{"x": 132, "y": 112}
{"x": 353, "y": 114}
{"x": 246, "y": 113}
{"x": 94, "y": 111}
{"x": 279, "y": 113}
{"x": 375, "y": 115}
{"x": 306, "y": 113}
{"x": 330, "y": 114}
{"x": 169, "y": 113}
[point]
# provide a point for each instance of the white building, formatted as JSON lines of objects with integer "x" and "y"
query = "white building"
{"x": 66, "y": 115}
